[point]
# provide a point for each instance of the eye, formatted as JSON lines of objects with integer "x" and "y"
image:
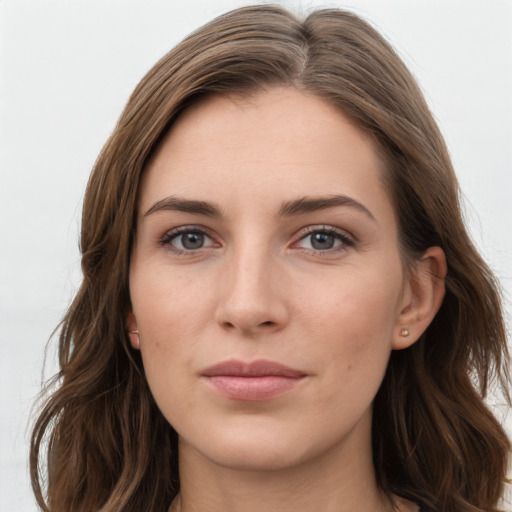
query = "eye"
{"x": 326, "y": 238}
{"x": 187, "y": 240}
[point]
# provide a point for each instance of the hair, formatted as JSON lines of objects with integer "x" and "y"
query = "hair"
{"x": 100, "y": 442}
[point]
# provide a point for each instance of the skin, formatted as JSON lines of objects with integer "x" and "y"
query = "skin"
{"x": 257, "y": 285}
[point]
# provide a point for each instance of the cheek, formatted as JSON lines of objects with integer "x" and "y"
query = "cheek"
{"x": 171, "y": 311}
{"x": 352, "y": 322}
{"x": 166, "y": 300}
{"x": 358, "y": 304}
{"x": 170, "y": 323}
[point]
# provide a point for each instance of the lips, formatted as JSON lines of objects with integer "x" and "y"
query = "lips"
{"x": 255, "y": 381}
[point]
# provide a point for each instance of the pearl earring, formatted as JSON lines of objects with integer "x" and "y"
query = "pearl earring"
{"x": 404, "y": 332}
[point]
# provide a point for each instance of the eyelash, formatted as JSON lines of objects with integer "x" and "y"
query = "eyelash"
{"x": 170, "y": 236}
{"x": 346, "y": 240}
{"x": 341, "y": 236}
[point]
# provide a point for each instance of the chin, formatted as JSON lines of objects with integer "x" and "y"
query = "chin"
{"x": 254, "y": 457}
{"x": 259, "y": 444}
{"x": 250, "y": 444}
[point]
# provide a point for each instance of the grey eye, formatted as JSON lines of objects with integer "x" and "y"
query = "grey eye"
{"x": 190, "y": 241}
{"x": 326, "y": 239}
{"x": 322, "y": 241}
{"x": 184, "y": 239}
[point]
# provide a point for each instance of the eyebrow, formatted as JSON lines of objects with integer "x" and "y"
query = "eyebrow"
{"x": 313, "y": 204}
{"x": 173, "y": 203}
{"x": 289, "y": 209}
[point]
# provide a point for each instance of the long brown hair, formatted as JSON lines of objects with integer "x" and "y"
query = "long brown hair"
{"x": 434, "y": 440}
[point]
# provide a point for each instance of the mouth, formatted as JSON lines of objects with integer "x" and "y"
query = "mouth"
{"x": 257, "y": 381}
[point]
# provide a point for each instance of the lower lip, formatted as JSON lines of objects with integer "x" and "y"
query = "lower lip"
{"x": 254, "y": 389}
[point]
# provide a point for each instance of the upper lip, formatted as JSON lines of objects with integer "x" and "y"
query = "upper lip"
{"x": 259, "y": 368}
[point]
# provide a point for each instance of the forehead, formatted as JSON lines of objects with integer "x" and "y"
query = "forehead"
{"x": 277, "y": 144}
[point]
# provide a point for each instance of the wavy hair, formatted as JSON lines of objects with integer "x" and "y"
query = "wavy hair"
{"x": 100, "y": 442}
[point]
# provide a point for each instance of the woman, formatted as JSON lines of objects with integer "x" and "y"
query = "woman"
{"x": 281, "y": 307}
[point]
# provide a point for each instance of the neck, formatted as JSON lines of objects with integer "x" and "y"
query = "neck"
{"x": 340, "y": 480}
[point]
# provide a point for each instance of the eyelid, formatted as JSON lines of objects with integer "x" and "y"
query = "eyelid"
{"x": 346, "y": 238}
{"x": 171, "y": 234}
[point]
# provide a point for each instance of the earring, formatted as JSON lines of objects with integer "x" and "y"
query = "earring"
{"x": 404, "y": 332}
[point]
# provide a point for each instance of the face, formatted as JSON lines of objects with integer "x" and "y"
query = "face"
{"x": 266, "y": 280}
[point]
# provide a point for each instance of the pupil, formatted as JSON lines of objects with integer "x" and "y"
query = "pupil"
{"x": 322, "y": 241}
{"x": 192, "y": 240}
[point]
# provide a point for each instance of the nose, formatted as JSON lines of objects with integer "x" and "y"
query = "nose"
{"x": 252, "y": 298}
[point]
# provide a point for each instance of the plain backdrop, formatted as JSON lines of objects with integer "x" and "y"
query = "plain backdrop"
{"x": 67, "y": 68}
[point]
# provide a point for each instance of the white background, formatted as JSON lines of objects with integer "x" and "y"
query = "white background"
{"x": 68, "y": 66}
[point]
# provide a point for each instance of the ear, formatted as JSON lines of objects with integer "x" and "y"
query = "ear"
{"x": 133, "y": 332}
{"x": 423, "y": 295}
